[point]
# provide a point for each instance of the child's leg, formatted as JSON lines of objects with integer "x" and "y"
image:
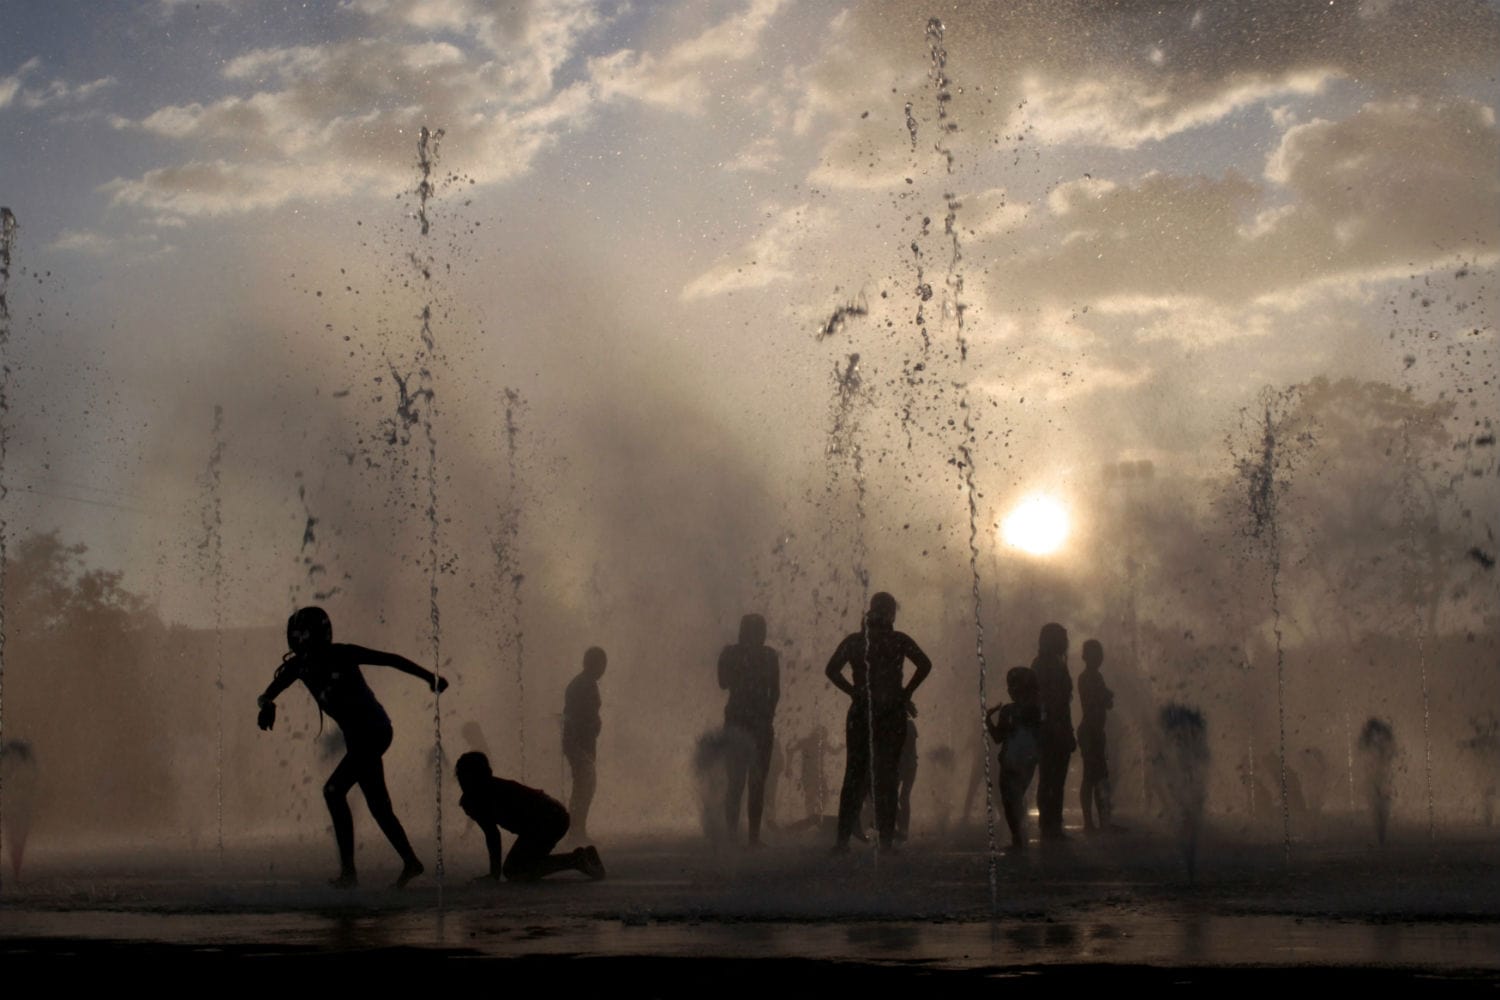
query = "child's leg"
{"x": 335, "y": 792}
{"x": 378, "y": 799}
{"x": 531, "y": 856}
{"x": 735, "y": 766}
{"x": 760, "y": 766}
{"x": 1013, "y": 804}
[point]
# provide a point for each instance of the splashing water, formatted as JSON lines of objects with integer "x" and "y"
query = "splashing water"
{"x": 1349, "y": 754}
{"x": 1409, "y": 519}
{"x": 8, "y": 231}
{"x": 1265, "y": 477}
{"x": 1378, "y": 751}
{"x": 954, "y": 306}
{"x": 844, "y": 446}
{"x": 211, "y": 550}
{"x": 508, "y": 561}
{"x": 1182, "y": 766}
{"x": 939, "y": 74}
{"x": 427, "y": 154}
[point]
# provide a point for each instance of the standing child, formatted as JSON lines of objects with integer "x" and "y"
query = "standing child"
{"x": 330, "y": 672}
{"x": 1014, "y": 728}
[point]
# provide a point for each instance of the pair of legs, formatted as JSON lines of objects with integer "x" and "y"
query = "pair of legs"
{"x": 581, "y": 763}
{"x": 755, "y": 769}
{"x": 1052, "y": 775}
{"x": 1015, "y": 779}
{"x": 531, "y": 856}
{"x": 889, "y": 736}
{"x": 362, "y": 766}
{"x": 906, "y": 776}
{"x": 1094, "y": 792}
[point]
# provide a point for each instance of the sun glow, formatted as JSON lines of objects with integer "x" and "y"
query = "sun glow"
{"x": 1038, "y": 526}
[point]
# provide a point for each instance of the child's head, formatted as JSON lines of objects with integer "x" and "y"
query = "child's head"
{"x": 752, "y": 631}
{"x": 882, "y": 613}
{"x": 471, "y": 769}
{"x": 594, "y": 662}
{"x": 1053, "y": 641}
{"x": 1020, "y": 684}
{"x": 1093, "y": 653}
{"x": 307, "y": 629}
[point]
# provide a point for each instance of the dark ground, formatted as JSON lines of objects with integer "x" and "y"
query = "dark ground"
{"x": 676, "y": 917}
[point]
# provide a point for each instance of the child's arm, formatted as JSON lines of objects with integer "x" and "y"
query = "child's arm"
{"x": 286, "y": 674}
{"x": 923, "y": 664}
{"x": 491, "y": 831}
{"x": 380, "y": 658}
{"x": 996, "y": 722}
{"x": 835, "y": 670}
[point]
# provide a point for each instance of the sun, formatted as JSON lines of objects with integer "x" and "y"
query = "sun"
{"x": 1038, "y": 526}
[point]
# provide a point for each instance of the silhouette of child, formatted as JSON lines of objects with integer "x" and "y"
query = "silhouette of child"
{"x": 1013, "y": 727}
{"x": 330, "y": 672}
{"x": 537, "y": 819}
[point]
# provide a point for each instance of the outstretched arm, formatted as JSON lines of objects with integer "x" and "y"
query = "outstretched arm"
{"x": 920, "y": 660}
{"x": 286, "y": 674}
{"x": 835, "y": 670}
{"x": 380, "y": 658}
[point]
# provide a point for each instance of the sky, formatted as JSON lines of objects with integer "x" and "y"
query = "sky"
{"x": 643, "y": 219}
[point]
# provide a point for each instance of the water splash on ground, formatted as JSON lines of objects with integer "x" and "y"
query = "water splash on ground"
{"x": 1378, "y": 752}
{"x": 1182, "y": 766}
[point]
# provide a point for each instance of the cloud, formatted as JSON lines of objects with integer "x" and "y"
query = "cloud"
{"x": 682, "y": 78}
{"x": 92, "y": 243}
{"x": 768, "y": 259}
{"x": 57, "y": 91}
{"x": 1391, "y": 188}
{"x": 340, "y": 119}
{"x": 1124, "y": 114}
{"x": 1117, "y": 76}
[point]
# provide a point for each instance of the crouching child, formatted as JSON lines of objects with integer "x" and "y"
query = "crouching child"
{"x": 537, "y": 820}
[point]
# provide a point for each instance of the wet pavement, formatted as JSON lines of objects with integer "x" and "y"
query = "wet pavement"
{"x": 1122, "y": 903}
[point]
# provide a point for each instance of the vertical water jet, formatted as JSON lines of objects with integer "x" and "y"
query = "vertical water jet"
{"x": 211, "y": 551}
{"x": 1409, "y": 519}
{"x": 508, "y": 561}
{"x": 1182, "y": 765}
{"x": 427, "y": 153}
{"x": 1378, "y": 750}
{"x": 8, "y": 231}
{"x": 1264, "y": 477}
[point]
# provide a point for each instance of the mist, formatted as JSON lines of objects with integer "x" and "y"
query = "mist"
{"x": 716, "y": 325}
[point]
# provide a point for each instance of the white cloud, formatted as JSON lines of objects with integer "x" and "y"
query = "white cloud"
{"x": 770, "y": 258}
{"x": 681, "y": 78}
{"x": 333, "y": 120}
{"x": 992, "y": 213}
{"x": 761, "y": 156}
{"x": 92, "y": 243}
{"x": 13, "y": 89}
{"x": 1122, "y": 113}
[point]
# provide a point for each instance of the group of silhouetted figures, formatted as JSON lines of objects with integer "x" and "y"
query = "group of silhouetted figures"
{"x": 1033, "y": 731}
{"x": 331, "y": 673}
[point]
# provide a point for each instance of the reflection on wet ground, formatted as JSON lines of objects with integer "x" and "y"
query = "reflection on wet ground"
{"x": 1121, "y": 904}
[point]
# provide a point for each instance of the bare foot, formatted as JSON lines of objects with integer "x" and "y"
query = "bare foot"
{"x": 412, "y": 870}
{"x": 346, "y": 880}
